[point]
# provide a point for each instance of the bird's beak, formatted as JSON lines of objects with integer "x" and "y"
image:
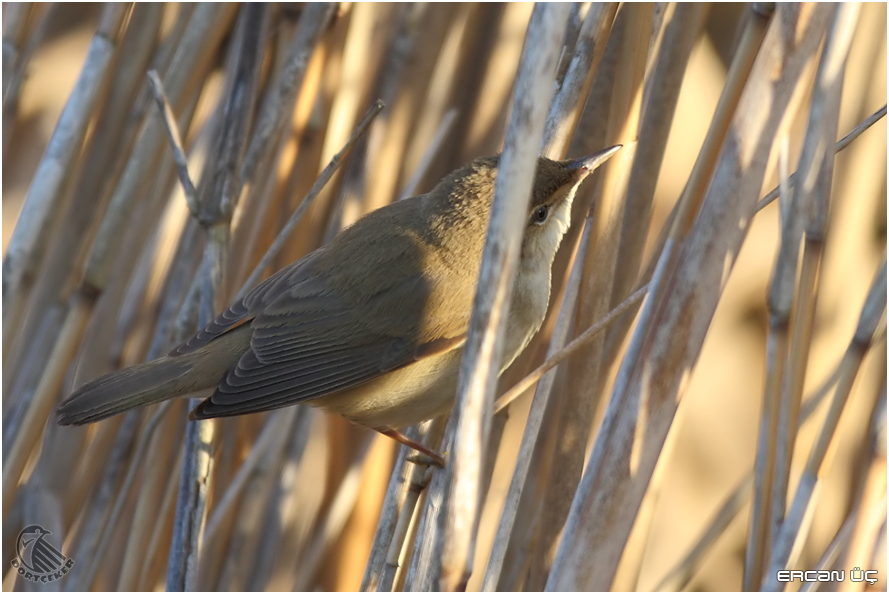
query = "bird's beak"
{"x": 585, "y": 165}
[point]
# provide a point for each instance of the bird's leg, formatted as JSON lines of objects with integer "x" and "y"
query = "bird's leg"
{"x": 427, "y": 455}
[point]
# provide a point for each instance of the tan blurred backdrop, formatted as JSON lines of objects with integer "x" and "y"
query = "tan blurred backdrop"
{"x": 712, "y": 444}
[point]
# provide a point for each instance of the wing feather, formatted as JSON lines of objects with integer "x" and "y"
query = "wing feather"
{"x": 312, "y": 334}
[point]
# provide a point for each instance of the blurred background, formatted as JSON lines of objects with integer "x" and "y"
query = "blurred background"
{"x": 453, "y": 81}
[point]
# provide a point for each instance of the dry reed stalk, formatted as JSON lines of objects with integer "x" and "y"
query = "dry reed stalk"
{"x": 294, "y": 509}
{"x": 420, "y": 572}
{"x": 840, "y": 145}
{"x": 394, "y": 575}
{"x": 37, "y": 25}
{"x": 150, "y": 499}
{"x": 668, "y": 59}
{"x": 868, "y": 509}
{"x": 28, "y": 241}
{"x": 359, "y": 193}
{"x": 270, "y": 439}
{"x": 291, "y": 81}
{"x": 193, "y": 55}
{"x": 404, "y": 476}
{"x": 586, "y": 372}
{"x": 432, "y": 153}
{"x": 61, "y": 263}
{"x": 779, "y": 303}
{"x": 443, "y": 28}
{"x": 827, "y": 559}
{"x": 31, "y": 428}
{"x": 277, "y": 106}
{"x": 446, "y": 71}
{"x": 100, "y": 550}
{"x": 404, "y": 75}
{"x": 340, "y": 509}
{"x": 684, "y": 294}
{"x": 478, "y": 373}
{"x": 152, "y": 573}
{"x": 16, "y": 20}
{"x": 623, "y": 323}
{"x": 794, "y": 526}
{"x": 566, "y": 106}
{"x": 535, "y": 419}
{"x": 678, "y": 577}
{"x": 464, "y": 84}
{"x": 220, "y": 189}
{"x": 313, "y": 193}
{"x": 358, "y": 59}
{"x": 589, "y": 136}
{"x": 813, "y": 196}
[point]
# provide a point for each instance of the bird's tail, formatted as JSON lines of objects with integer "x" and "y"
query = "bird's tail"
{"x": 153, "y": 382}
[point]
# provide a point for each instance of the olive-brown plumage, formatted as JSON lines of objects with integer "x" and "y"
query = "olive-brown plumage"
{"x": 370, "y": 326}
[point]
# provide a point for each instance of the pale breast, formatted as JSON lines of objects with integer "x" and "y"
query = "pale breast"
{"x": 427, "y": 388}
{"x": 527, "y": 310}
{"x": 409, "y": 395}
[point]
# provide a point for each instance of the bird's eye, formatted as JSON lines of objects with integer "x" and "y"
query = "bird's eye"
{"x": 538, "y": 217}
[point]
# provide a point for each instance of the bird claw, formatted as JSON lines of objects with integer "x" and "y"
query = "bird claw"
{"x": 427, "y": 460}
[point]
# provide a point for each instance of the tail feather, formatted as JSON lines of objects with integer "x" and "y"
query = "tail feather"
{"x": 128, "y": 388}
{"x": 155, "y": 381}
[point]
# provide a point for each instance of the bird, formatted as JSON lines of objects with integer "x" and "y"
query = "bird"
{"x": 371, "y": 325}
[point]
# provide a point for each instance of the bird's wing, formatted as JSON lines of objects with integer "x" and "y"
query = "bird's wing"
{"x": 252, "y": 303}
{"x": 310, "y": 342}
{"x": 349, "y": 313}
{"x": 344, "y": 315}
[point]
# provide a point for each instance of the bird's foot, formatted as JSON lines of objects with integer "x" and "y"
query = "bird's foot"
{"x": 427, "y": 460}
{"x": 425, "y": 456}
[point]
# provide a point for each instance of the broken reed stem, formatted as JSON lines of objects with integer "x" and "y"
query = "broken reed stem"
{"x": 554, "y": 359}
{"x": 316, "y": 188}
{"x": 169, "y": 120}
